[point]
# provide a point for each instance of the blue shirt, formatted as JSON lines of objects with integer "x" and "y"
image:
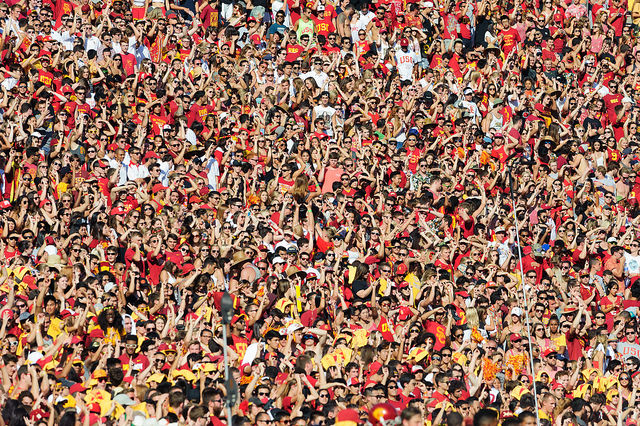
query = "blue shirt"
{"x": 275, "y": 28}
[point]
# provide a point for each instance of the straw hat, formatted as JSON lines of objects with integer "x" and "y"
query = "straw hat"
{"x": 54, "y": 261}
{"x": 292, "y": 271}
{"x": 239, "y": 259}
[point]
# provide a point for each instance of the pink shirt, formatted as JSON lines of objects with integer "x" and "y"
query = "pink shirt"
{"x": 331, "y": 175}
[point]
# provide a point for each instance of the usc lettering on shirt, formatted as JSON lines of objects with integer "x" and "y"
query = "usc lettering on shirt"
{"x": 239, "y": 345}
{"x": 45, "y": 77}
{"x": 241, "y": 348}
{"x": 322, "y": 28}
{"x": 405, "y": 59}
{"x": 130, "y": 205}
{"x": 293, "y": 52}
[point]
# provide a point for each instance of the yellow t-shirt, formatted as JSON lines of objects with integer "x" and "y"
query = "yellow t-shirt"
{"x": 560, "y": 341}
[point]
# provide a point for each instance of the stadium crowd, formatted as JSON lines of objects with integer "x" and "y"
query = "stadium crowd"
{"x": 425, "y": 212}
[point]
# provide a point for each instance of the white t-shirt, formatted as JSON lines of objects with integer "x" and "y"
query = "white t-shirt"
{"x": 631, "y": 264}
{"x": 467, "y": 334}
{"x": 471, "y": 108}
{"x": 64, "y": 38}
{"x": 321, "y": 78}
{"x": 324, "y": 112}
{"x": 213, "y": 172}
{"x": 93, "y": 43}
{"x": 405, "y": 62}
{"x": 132, "y": 172}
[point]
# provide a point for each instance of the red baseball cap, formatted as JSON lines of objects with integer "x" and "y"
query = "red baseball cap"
{"x": 78, "y": 387}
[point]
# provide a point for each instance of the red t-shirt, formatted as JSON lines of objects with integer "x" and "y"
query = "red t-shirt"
{"x": 510, "y": 39}
{"x": 140, "y": 362}
{"x": 293, "y": 52}
{"x": 155, "y": 265}
{"x": 575, "y": 345}
{"x": 128, "y": 63}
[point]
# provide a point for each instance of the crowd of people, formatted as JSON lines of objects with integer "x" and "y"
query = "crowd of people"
{"x": 424, "y": 211}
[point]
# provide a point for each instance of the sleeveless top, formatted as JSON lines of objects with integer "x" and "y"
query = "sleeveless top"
{"x": 305, "y": 28}
{"x": 496, "y": 122}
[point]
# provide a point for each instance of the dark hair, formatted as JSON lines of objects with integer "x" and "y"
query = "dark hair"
{"x": 409, "y": 412}
{"x": 485, "y": 417}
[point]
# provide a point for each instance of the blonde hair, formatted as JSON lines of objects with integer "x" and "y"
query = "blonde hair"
{"x": 473, "y": 317}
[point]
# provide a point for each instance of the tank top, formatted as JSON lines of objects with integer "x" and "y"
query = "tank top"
{"x": 305, "y": 28}
{"x": 260, "y": 79}
{"x": 496, "y": 122}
